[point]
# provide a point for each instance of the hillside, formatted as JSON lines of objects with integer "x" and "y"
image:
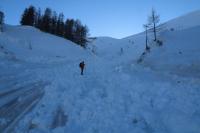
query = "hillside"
{"x": 40, "y": 77}
{"x": 29, "y": 44}
{"x": 178, "y": 54}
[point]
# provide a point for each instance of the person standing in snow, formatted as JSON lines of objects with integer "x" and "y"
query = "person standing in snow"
{"x": 82, "y": 65}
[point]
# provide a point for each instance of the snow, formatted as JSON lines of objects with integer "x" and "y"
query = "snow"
{"x": 184, "y": 22}
{"x": 179, "y": 53}
{"x": 116, "y": 94}
{"x": 19, "y": 39}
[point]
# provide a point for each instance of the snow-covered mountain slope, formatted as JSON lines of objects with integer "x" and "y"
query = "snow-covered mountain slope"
{"x": 183, "y": 22}
{"x": 115, "y": 94}
{"x": 30, "y": 44}
{"x": 178, "y": 54}
{"x": 103, "y": 45}
{"x": 116, "y": 49}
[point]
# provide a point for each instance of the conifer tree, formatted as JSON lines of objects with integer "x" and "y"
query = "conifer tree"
{"x": 38, "y": 19}
{"x": 80, "y": 33}
{"x": 46, "y": 20}
{"x": 69, "y": 29}
{"x": 28, "y": 17}
{"x": 54, "y": 20}
{"x": 60, "y": 25}
{"x": 1, "y": 20}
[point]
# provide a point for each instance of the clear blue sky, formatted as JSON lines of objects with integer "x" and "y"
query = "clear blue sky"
{"x": 114, "y": 18}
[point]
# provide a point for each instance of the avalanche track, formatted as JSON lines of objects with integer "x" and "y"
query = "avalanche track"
{"x": 113, "y": 97}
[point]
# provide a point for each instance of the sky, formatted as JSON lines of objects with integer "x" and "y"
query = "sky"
{"x": 113, "y": 18}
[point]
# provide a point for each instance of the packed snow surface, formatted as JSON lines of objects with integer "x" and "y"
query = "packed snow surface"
{"x": 116, "y": 94}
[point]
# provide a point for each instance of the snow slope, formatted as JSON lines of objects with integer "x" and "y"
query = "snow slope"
{"x": 115, "y": 94}
{"x": 179, "y": 53}
{"x": 183, "y": 22}
{"x": 29, "y": 44}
